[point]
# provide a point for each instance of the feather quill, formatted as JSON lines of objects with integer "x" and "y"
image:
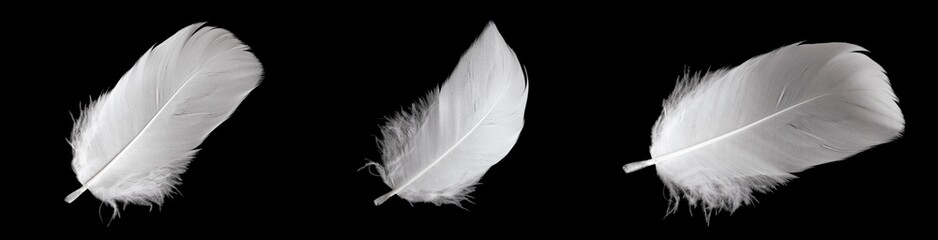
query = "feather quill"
{"x": 436, "y": 152}
{"x": 131, "y": 145}
{"x": 731, "y": 132}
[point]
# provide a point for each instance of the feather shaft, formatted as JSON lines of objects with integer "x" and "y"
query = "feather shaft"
{"x": 631, "y": 167}
{"x": 72, "y": 196}
{"x": 423, "y": 171}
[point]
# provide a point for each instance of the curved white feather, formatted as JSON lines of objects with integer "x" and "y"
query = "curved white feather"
{"x": 439, "y": 150}
{"x": 132, "y": 143}
{"x": 731, "y": 132}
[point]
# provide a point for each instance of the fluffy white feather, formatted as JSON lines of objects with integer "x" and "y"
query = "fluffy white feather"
{"x": 731, "y": 132}
{"x": 131, "y": 145}
{"x": 439, "y": 150}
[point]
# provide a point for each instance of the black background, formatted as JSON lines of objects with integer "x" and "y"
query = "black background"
{"x": 286, "y": 163}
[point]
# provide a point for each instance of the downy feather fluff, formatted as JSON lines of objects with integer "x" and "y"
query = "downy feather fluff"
{"x": 439, "y": 149}
{"x": 131, "y": 145}
{"x": 731, "y": 132}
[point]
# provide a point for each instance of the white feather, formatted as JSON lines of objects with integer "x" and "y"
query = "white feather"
{"x": 131, "y": 145}
{"x": 440, "y": 149}
{"x": 731, "y": 132}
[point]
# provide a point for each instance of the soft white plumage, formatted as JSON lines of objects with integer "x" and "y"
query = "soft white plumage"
{"x": 131, "y": 145}
{"x": 731, "y": 132}
{"x": 439, "y": 150}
